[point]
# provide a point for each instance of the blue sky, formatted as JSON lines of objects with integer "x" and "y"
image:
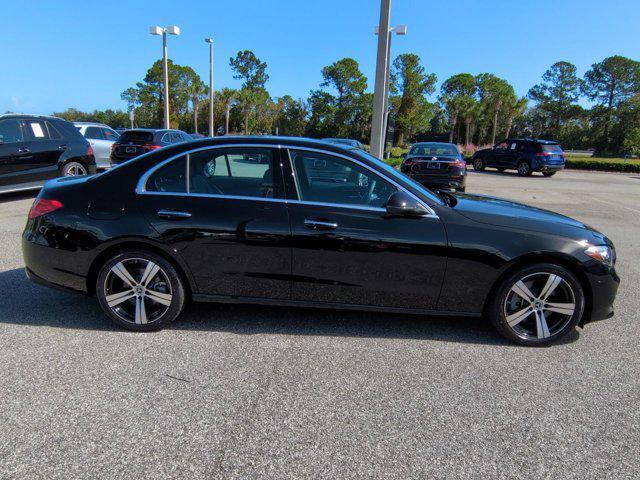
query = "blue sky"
{"x": 59, "y": 54}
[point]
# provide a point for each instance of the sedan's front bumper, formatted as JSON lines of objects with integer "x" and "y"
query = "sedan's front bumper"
{"x": 603, "y": 282}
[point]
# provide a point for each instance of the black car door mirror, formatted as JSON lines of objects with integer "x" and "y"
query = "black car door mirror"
{"x": 402, "y": 204}
{"x": 404, "y": 156}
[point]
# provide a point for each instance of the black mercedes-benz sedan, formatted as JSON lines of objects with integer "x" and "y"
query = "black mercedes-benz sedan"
{"x": 255, "y": 220}
{"x": 436, "y": 165}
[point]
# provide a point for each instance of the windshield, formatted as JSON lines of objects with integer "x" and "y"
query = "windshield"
{"x": 135, "y": 136}
{"x": 551, "y": 148}
{"x": 399, "y": 175}
{"x": 434, "y": 149}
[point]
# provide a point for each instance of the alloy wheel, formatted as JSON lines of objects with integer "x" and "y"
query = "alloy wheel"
{"x": 138, "y": 291}
{"x": 539, "y": 306}
{"x": 523, "y": 168}
{"x": 478, "y": 164}
{"x": 74, "y": 169}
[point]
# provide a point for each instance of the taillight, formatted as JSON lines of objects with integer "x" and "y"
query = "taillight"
{"x": 543, "y": 154}
{"x": 43, "y": 206}
{"x": 150, "y": 146}
{"x": 460, "y": 164}
{"x": 89, "y": 151}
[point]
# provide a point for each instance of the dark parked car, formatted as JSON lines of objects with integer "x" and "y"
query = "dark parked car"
{"x": 247, "y": 220}
{"x": 36, "y": 148}
{"x": 436, "y": 165}
{"x": 142, "y": 140}
{"x": 345, "y": 142}
{"x": 526, "y": 155}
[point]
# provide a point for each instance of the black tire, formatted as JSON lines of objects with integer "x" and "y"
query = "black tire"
{"x": 73, "y": 168}
{"x": 501, "y": 169}
{"x": 548, "y": 174}
{"x": 162, "y": 296}
{"x": 461, "y": 189}
{"x": 528, "y": 330}
{"x": 524, "y": 168}
{"x": 478, "y": 164}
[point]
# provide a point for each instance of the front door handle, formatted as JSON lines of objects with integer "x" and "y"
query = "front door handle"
{"x": 173, "y": 214}
{"x": 24, "y": 150}
{"x": 319, "y": 224}
{"x": 64, "y": 147}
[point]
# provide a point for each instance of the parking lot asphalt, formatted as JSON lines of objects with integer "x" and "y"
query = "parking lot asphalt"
{"x": 236, "y": 391}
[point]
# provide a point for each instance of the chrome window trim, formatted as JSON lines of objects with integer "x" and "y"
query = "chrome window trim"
{"x": 141, "y": 185}
{"x": 431, "y": 214}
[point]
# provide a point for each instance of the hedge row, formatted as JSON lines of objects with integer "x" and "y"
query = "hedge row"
{"x": 600, "y": 164}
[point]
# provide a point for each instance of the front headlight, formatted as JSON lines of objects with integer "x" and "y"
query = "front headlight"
{"x": 601, "y": 253}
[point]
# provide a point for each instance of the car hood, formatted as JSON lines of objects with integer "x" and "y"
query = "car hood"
{"x": 505, "y": 213}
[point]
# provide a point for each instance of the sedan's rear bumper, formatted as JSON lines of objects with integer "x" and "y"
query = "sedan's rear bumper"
{"x": 440, "y": 181}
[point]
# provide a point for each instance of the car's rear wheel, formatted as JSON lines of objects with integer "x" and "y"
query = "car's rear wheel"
{"x": 140, "y": 291}
{"x": 537, "y": 305}
{"x": 73, "y": 169}
{"x": 524, "y": 169}
{"x": 548, "y": 174}
{"x": 461, "y": 189}
{"x": 478, "y": 164}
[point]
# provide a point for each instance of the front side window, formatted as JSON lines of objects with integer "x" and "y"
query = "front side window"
{"x": 245, "y": 172}
{"x": 328, "y": 179}
{"x": 502, "y": 146}
{"x": 10, "y": 131}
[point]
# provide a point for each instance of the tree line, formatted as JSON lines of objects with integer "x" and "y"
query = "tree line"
{"x": 469, "y": 109}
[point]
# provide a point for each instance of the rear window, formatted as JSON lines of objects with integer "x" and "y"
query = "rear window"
{"x": 136, "y": 137}
{"x": 434, "y": 149}
{"x": 551, "y": 148}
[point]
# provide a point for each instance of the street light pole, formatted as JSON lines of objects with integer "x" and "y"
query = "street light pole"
{"x": 212, "y": 132}
{"x": 172, "y": 30}
{"x": 165, "y": 71}
{"x": 379, "y": 93}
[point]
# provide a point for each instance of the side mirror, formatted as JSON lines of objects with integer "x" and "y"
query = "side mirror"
{"x": 404, "y": 156}
{"x": 402, "y": 204}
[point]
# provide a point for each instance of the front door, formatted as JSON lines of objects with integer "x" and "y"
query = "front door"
{"x": 347, "y": 250}
{"x": 223, "y": 211}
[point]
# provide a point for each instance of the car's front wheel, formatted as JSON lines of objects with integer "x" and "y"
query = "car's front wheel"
{"x": 478, "y": 164}
{"x": 140, "y": 291}
{"x": 537, "y": 305}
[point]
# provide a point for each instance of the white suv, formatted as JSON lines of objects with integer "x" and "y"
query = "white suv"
{"x": 100, "y": 137}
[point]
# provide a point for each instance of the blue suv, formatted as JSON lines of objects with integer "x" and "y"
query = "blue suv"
{"x": 525, "y": 155}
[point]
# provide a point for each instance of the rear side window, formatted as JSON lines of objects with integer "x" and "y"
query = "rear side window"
{"x": 244, "y": 172}
{"x": 551, "y": 148}
{"x": 170, "y": 178}
{"x": 54, "y": 133}
{"x": 11, "y": 131}
{"x": 136, "y": 137}
{"x": 94, "y": 133}
{"x": 37, "y": 129}
{"x": 110, "y": 135}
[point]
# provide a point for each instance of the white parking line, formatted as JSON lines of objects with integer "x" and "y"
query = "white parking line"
{"x": 615, "y": 205}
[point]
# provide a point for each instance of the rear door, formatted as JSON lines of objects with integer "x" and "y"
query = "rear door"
{"x": 224, "y": 213}
{"x": 15, "y": 155}
{"x": 347, "y": 250}
{"x": 42, "y": 149}
{"x": 100, "y": 145}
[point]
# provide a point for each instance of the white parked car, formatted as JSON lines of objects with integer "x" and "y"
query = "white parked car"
{"x": 100, "y": 137}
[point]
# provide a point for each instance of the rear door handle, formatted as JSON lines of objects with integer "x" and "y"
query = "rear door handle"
{"x": 64, "y": 147}
{"x": 173, "y": 214}
{"x": 319, "y": 224}
{"x": 24, "y": 150}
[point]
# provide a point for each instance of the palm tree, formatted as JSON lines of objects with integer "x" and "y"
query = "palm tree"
{"x": 226, "y": 98}
{"x": 196, "y": 91}
{"x": 514, "y": 109}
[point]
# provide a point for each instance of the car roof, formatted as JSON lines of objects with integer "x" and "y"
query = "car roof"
{"x": 91, "y": 124}
{"x": 534, "y": 140}
{"x": 29, "y": 115}
{"x": 435, "y": 143}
